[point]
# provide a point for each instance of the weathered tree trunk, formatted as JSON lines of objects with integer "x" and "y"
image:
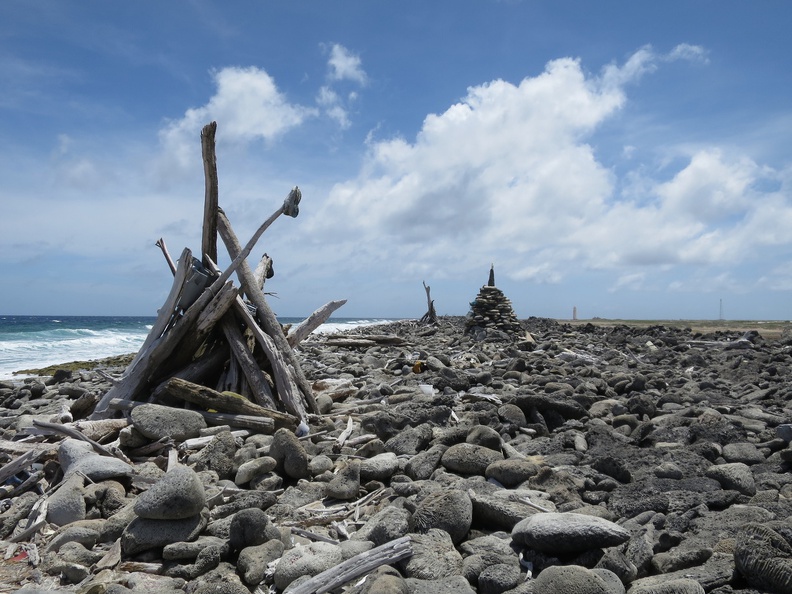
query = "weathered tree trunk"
{"x": 256, "y": 379}
{"x": 161, "y": 245}
{"x": 430, "y": 317}
{"x": 288, "y": 392}
{"x": 209, "y": 238}
{"x": 353, "y": 568}
{"x": 263, "y": 271}
{"x": 312, "y": 322}
{"x": 269, "y": 322}
{"x": 220, "y": 401}
{"x": 254, "y": 423}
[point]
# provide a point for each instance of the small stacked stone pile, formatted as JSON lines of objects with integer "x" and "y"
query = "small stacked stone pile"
{"x": 492, "y": 309}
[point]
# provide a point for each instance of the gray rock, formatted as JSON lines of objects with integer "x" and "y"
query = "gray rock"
{"x": 744, "y": 452}
{"x": 177, "y": 495}
{"x": 290, "y": 454}
{"x": 558, "y": 533}
{"x": 379, "y": 468}
{"x": 572, "y": 579}
{"x": 142, "y": 534}
{"x": 76, "y": 455}
{"x": 735, "y": 476}
{"x": 253, "y": 469}
{"x": 484, "y": 436}
{"x": 455, "y": 584}
{"x": 386, "y": 525}
{"x": 81, "y": 534}
{"x": 346, "y": 482}
{"x": 252, "y": 562}
{"x": 422, "y": 465}
{"x": 512, "y": 471}
{"x": 308, "y": 560}
{"x": 448, "y": 509}
{"x": 434, "y": 557}
{"x": 67, "y": 504}
{"x": 468, "y": 458}
{"x": 784, "y": 431}
{"x": 673, "y": 586}
{"x": 764, "y": 558}
{"x": 218, "y": 455}
{"x": 251, "y": 527}
{"x": 156, "y": 421}
{"x": 190, "y": 550}
{"x": 499, "y": 578}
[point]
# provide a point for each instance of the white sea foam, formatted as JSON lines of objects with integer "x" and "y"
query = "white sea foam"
{"x": 42, "y": 349}
{"x": 32, "y": 349}
{"x": 344, "y": 325}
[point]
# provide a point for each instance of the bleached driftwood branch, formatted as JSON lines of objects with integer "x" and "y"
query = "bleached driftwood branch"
{"x": 312, "y": 322}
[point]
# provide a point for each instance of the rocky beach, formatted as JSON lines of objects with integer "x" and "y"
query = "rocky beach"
{"x": 529, "y": 456}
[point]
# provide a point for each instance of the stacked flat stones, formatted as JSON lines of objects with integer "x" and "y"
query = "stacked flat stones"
{"x": 604, "y": 460}
{"x": 492, "y": 310}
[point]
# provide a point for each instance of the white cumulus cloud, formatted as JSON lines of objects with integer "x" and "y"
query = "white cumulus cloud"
{"x": 344, "y": 65}
{"x": 510, "y": 174}
{"x": 247, "y": 105}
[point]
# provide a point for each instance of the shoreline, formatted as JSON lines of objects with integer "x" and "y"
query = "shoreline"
{"x": 768, "y": 329}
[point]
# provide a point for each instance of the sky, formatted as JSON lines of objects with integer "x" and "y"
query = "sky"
{"x": 628, "y": 159}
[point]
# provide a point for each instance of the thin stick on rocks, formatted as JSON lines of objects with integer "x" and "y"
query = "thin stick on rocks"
{"x": 361, "y": 564}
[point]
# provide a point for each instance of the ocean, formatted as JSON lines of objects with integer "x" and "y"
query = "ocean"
{"x": 31, "y": 342}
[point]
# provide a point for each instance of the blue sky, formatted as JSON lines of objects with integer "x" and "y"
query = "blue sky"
{"x": 630, "y": 159}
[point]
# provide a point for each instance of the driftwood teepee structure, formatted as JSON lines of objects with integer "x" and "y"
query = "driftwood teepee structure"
{"x": 216, "y": 344}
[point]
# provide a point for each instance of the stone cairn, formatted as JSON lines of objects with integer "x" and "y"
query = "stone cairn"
{"x": 492, "y": 309}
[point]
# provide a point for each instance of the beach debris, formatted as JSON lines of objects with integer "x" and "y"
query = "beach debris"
{"x": 430, "y": 317}
{"x": 208, "y": 336}
{"x": 474, "y": 476}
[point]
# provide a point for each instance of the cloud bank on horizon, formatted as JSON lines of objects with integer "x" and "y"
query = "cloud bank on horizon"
{"x": 558, "y": 178}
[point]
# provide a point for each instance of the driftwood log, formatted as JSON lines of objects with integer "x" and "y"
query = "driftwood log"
{"x": 263, "y": 425}
{"x": 312, "y": 322}
{"x": 430, "y": 317}
{"x": 224, "y": 402}
{"x": 211, "y": 193}
{"x": 361, "y": 564}
{"x": 265, "y": 315}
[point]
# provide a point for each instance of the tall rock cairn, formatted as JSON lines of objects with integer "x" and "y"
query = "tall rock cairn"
{"x": 492, "y": 310}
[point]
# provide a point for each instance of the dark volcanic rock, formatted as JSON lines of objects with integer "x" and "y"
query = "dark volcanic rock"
{"x": 600, "y": 459}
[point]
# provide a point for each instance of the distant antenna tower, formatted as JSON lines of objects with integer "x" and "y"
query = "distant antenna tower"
{"x": 720, "y": 314}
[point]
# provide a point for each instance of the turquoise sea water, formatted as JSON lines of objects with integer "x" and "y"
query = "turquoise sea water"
{"x": 28, "y": 342}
